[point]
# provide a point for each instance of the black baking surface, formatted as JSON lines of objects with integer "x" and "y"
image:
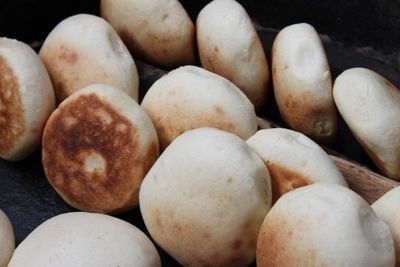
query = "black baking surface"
{"x": 28, "y": 199}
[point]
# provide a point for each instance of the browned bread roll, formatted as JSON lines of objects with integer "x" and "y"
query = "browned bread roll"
{"x": 84, "y": 49}
{"x": 97, "y": 147}
{"x": 302, "y": 82}
{"x": 157, "y": 31}
{"x": 26, "y": 99}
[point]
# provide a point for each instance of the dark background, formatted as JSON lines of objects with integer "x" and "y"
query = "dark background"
{"x": 373, "y": 25}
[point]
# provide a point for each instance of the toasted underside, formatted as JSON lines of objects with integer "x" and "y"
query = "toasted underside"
{"x": 12, "y": 121}
{"x": 89, "y": 155}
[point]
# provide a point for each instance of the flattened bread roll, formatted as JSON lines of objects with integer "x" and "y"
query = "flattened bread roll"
{"x": 26, "y": 99}
{"x": 97, "y": 147}
{"x": 370, "y": 105}
{"x": 293, "y": 160}
{"x": 84, "y": 49}
{"x": 302, "y": 82}
{"x": 205, "y": 198}
{"x": 158, "y": 31}
{"x": 83, "y": 239}
{"x": 7, "y": 241}
{"x": 387, "y": 208}
{"x": 191, "y": 97}
{"x": 324, "y": 225}
{"x": 229, "y": 46}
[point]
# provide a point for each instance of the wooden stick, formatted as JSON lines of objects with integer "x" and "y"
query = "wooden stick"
{"x": 362, "y": 180}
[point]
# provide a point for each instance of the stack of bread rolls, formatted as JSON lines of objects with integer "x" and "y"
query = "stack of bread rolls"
{"x": 211, "y": 189}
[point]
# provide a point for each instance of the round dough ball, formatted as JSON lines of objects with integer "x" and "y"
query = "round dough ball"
{"x": 205, "y": 198}
{"x": 158, "y": 31}
{"x": 324, "y": 225}
{"x": 387, "y": 208}
{"x": 7, "y": 242}
{"x": 302, "y": 82}
{"x": 191, "y": 97}
{"x": 293, "y": 160}
{"x": 370, "y": 105}
{"x": 83, "y": 50}
{"x": 83, "y": 239}
{"x": 26, "y": 99}
{"x": 229, "y": 46}
{"x": 97, "y": 147}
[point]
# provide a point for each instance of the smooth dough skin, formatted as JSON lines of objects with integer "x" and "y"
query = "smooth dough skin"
{"x": 302, "y": 82}
{"x": 387, "y": 208}
{"x": 97, "y": 147}
{"x": 205, "y": 198}
{"x": 324, "y": 225}
{"x": 191, "y": 97}
{"x": 293, "y": 160}
{"x": 229, "y": 46}
{"x": 83, "y": 50}
{"x": 81, "y": 239}
{"x": 26, "y": 99}
{"x": 7, "y": 241}
{"x": 370, "y": 105}
{"x": 157, "y": 31}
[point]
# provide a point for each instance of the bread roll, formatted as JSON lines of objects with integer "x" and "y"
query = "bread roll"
{"x": 302, "y": 82}
{"x": 26, "y": 99}
{"x": 388, "y": 210}
{"x": 83, "y": 239}
{"x": 83, "y": 50}
{"x": 158, "y": 31}
{"x": 191, "y": 97}
{"x": 7, "y": 242}
{"x": 229, "y": 46}
{"x": 324, "y": 225}
{"x": 370, "y": 105}
{"x": 293, "y": 160}
{"x": 205, "y": 198}
{"x": 97, "y": 147}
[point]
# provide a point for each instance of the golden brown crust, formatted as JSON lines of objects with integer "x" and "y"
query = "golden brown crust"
{"x": 65, "y": 66}
{"x": 159, "y": 43}
{"x": 164, "y": 51}
{"x": 280, "y": 246}
{"x": 168, "y": 129}
{"x": 243, "y": 243}
{"x": 301, "y": 111}
{"x": 307, "y": 117}
{"x": 284, "y": 180}
{"x": 12, "y": 121}
{"x": 85, "y": 130}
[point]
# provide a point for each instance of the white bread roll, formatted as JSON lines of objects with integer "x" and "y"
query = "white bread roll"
{"x": 97, "y": 147}
{"x": 83, "y": 50}
{"x": 302, "y": 82}
{"x": 229, "y": 46}
{"x": 191, "y": 97}
{"x": 205, "y": 198}
{"x": 293, "y": 160}
{"x": 26, "y": 99}
{"x": 7, "y": 241}
{"x": 324, "y": 225}
{"x": 370, "y": 105}
{"x": 158, "y": 31}
{"x": 387, "y": 208}
{"x": 81, "y": 239}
